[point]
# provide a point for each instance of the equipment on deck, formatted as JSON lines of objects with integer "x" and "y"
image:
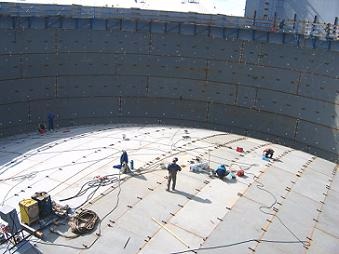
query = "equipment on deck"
{"x": 84, "y": 222}
{"x": 29, "y": 211}
{"x": 199, "y": 167}
{"x": 44, "y": 203}
{"x": 230, "y": 176}
{"x": 240, "y": 172}
{"x": 9, "y": 215}
{"x": 240, "y": 149}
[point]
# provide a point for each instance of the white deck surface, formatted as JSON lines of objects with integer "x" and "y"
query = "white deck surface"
{"x": 203, "y": 213}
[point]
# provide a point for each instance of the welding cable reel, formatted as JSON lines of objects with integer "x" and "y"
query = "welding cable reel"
{"x": 84, "y": 222}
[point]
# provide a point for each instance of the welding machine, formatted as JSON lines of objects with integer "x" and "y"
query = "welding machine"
{"x": 29, "y": 211}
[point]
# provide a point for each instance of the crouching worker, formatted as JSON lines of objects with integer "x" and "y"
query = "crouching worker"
{"x": 173, "y": 169}
{"x": 221, "y": 171}
{"x": 124, "y": 163}
{"x": 268, "y": 153}
{"x": 42, "y": 128}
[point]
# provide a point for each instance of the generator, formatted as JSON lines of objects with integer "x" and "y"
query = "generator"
{"x": 29, "y": 211}
{"x": 44, "y": 203}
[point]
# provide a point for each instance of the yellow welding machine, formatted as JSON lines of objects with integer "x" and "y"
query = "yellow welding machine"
{"x": 29, "y": 211}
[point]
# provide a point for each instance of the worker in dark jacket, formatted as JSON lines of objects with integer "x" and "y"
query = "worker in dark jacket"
{"x": 173, "y": 169}
{"x": 268, "y": 153}
{"x": 50, "y": 117}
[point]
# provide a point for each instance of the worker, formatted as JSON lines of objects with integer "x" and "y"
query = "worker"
{"x": 282, "y": 25}
{"x": 173, "y": 169}
{"x": 124, "y": 162}
{"x": 42, "y": 128}
{"x": 123, "y": 157}
{"x": 221, "y": 171}
{"x": 268, "y": 153}
{"x": 50, "y": 117}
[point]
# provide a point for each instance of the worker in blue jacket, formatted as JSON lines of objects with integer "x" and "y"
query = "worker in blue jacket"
{"x": 221, "y": 171}
{"x": 50, "y": 117}
{"x": 173, "y": 169}
{"x": 123, "y": 157}
{"x": 124, "y": 162}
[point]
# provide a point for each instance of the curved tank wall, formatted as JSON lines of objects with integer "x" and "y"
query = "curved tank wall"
{"x": 265, "y": 85}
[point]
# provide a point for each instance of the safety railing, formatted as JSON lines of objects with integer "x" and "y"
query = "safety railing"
{"x": 321, "y": 31}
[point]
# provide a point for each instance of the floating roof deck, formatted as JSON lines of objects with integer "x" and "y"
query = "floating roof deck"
{"x": 290, "y": 199}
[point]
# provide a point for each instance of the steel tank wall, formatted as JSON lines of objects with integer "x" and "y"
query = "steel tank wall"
{"x": 228, "y": 79}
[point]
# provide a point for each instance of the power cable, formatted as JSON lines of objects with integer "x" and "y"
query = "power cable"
{"x": 262, "y": 208}
{"x": 236, "y": 243}
{"x": 4, "y": 199}
{"x": 60, "y": 245}
{"x": 92, "y": 184}
{"x": 98, "y": 234}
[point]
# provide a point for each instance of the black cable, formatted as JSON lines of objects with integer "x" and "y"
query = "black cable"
{"x": 34, "y": 173}
{"x": 261, "y": 186}
{"x": 89, "y": 196}
{"x": 4, "y": 199}
{"x": 59, "y": 245}
{"x": 99, "y": 223}
{"x": 236, "y": 243}
{"x": 116, "y": 204}
{"x": 96, "y": 183}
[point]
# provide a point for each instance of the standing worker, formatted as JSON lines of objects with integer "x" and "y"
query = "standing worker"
{"x": 173, "y": 169}
{"x": 50, "y": 118}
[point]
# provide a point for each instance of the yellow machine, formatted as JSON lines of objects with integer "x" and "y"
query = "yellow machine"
{"x": 29, "y": 211}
